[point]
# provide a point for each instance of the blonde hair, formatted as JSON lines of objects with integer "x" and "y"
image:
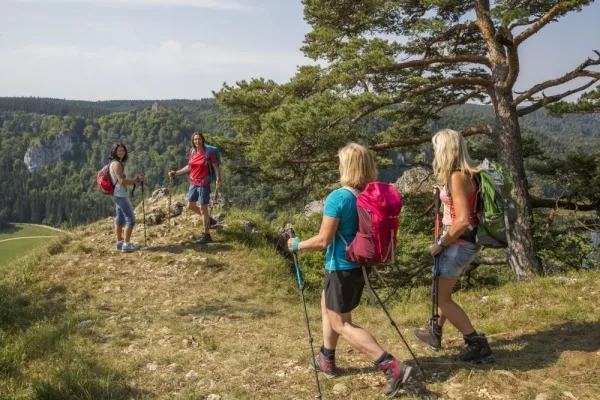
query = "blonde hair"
{"x": 357, "y": 166}
{"x": 451, "y": 154}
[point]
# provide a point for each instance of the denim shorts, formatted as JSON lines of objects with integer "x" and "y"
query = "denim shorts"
{"x": 199, "y": 192}
{"x": 454, "y": 258}
{"x": 124, "y": 209}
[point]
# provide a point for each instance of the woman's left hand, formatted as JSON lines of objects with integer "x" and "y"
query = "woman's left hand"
{"x": 435, "y": 249}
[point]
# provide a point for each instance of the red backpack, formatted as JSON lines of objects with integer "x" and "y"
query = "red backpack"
{"x": 103, "y": 180}
{"x": 379, "y": 207}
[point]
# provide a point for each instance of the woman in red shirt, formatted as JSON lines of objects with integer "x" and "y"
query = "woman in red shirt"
{"x": 199, "y": 169}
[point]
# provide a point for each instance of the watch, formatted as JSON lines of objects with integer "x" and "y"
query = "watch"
{"x": 439, "y": 242}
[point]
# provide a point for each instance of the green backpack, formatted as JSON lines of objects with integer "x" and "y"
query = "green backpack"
{"x": 496, "y": 209}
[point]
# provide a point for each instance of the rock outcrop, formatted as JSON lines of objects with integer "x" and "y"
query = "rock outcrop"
{"x": 416, "y": 180}
{"x": 48, "y": 151}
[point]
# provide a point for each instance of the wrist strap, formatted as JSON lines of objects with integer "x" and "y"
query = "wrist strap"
{"x": 295, "y": 245}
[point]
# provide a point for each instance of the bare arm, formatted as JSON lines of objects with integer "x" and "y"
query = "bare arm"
{"x": 181, "y": 171}
{"x": 329, "y": 227}
{"x": 118, "y": 170}
{"x": 217, "y": 172}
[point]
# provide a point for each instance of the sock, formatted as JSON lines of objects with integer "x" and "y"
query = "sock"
{"x": 327, "y": 352}
{"x": 471, "y": 335}
{"x": 119, "y": 241}
{"x": 384, "y": 357}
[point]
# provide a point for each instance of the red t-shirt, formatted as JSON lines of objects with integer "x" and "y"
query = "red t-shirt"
{"x": 199, "y": 169}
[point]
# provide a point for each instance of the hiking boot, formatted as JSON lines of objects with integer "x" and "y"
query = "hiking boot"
{"x": 205, "y": 238}
{"x": 396, "y": 373}
{"x": 477, "y": 351}
{"x": 324, "y": 364}
{"x": 129, "y": 248}
{"x": 119, "y": 245}
{"x": 430, "y": 336}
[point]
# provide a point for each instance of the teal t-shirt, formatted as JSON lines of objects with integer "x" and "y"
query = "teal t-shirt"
{"x": 341, "y": 204}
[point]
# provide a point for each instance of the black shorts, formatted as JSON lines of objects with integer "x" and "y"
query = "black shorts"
{"x": 343, "y": 289}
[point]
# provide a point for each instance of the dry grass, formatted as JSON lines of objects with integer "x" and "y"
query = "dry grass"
{"x": 180, "y": 321}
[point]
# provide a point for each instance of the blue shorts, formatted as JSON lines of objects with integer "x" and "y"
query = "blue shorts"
{"x": 454, "y": 258}
{"x": 201, "y": 193}
{"x": 124, "y": 209}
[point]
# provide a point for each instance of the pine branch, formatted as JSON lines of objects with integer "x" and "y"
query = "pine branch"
{"x": 457, "y": 59}
{"x": 486, "y": 26}
{"x": 450, "y": 33}
{"x": 537, "y": 202}
{"x": 524, "y": 23}
{"x": 553, "y": 99}
{"x": 476, "y": 130}
{"x": 561, "y": 7}
{"x": 578, "y": 72}
{"x": 423, "y": 90}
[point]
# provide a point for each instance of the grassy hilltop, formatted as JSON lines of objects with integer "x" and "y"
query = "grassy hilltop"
{"x": 79, "y": 320}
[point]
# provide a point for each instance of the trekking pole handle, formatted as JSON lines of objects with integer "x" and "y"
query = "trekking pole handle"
{"x": 292, "y": 235}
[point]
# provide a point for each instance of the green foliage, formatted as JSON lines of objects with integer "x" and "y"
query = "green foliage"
{"x": 65, "y": 193}
{"x": 564, "y": 240}
{"x": 387, "y": 72}
{"x": 588, "y": 103}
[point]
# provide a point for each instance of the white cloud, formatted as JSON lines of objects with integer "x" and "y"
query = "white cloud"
{"x": 169, "y": 69}
{"x": 208, "y": 4}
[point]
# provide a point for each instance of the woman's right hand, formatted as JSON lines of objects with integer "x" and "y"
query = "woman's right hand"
{"x": 172, "y": 174}
{"x": 140, "y": 178}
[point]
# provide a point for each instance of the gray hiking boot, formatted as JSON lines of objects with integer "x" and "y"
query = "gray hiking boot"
{"x": 430, "y": 336}
{"x": 205, "y": 238}
{"x": 119, "y": 245}
{"x": 396, "y": 374}
{"x": 325, "y": 365}
{"x": 129, "y": 248}
{"x": 477, "y": 351}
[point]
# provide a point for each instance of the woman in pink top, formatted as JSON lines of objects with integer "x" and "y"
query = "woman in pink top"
{"x": 456, "y": 248}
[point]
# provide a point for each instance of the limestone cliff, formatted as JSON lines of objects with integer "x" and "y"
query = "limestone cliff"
{"x": 47, "y": 151}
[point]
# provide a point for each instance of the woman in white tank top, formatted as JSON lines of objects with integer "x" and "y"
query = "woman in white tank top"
{"x": 125, "y": 217}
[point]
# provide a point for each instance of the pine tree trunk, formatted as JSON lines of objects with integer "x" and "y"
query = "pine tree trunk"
{"x": 523, "y": 259}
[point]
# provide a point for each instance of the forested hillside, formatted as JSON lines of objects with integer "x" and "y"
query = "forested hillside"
{"x": 65, "y": 193}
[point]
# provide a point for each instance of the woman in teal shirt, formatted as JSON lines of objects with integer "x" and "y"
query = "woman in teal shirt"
{"x": 344, "y": 282}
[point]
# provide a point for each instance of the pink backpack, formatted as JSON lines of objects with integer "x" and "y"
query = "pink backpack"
{"x": 378, "y": 207}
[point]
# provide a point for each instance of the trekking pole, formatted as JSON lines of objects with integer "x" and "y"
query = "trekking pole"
{"x": 436, "y": 267}
{"x": 392, "y": 322}
{"x": 144, "y": 213}
{"x": 169, "y": 209}
{"x": 310, "y": 339}
{"x": 212, "y": 221}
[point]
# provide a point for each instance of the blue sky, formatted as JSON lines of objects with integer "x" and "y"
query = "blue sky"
{"x": 160, "y": 49}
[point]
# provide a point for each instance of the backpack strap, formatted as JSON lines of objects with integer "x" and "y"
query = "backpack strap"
{"x": 355, "y": 193}
{"x": 110, "y": 170}
{"x": 352, "y": 190}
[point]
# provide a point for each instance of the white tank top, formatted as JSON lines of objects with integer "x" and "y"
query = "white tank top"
{"x": 120, "y": 190}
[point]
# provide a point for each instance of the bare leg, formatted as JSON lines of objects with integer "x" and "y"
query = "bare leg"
{"x": 128, "y": 230}
{"x": 119, "y": 232}
{"x": 330, "y": 337}
{"x": 193, "y": 205}
{"x": 448, "y": 309}
{"x": 358, "y": 337}
{"x": 205, "y": 218}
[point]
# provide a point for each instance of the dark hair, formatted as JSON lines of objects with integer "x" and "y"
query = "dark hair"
{"x": 113, "y": 152}
{"x": 201, "y": 137}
